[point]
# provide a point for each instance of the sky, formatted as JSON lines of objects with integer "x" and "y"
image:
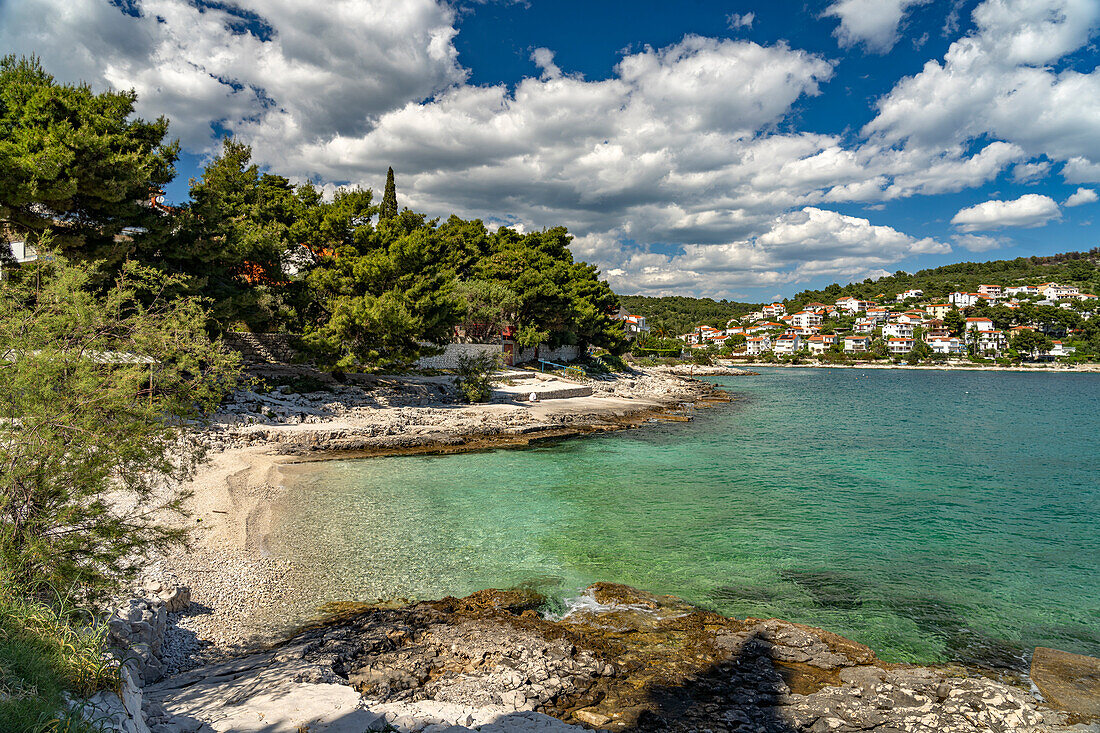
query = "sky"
{"x": 740, "y": 150}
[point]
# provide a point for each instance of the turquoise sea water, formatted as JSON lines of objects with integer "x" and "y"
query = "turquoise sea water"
{"x": 932, "y": 515}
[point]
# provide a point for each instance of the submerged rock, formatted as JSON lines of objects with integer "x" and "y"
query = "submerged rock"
{"x": 623, "y": 660}
{"x": 1070, "y": 682}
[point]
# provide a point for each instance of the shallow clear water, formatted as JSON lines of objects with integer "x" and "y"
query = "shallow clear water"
{"x": 931, "y": 515}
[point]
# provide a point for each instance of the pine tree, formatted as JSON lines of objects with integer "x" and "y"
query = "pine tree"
{"x": 389, "y": 198}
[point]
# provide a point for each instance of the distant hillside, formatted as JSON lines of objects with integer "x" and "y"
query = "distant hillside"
{"x": 679, "y": 314}
{"x": 676, "y": 314}
{"x": 1070, "y": 268}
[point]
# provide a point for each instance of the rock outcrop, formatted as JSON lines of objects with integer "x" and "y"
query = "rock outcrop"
{"x": 136, "y": 629}
{"x": 626, "y": 660}
{"x": 1070, "y": 682}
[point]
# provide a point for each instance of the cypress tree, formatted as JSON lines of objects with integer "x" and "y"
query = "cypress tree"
{"x": 389, "y": 198}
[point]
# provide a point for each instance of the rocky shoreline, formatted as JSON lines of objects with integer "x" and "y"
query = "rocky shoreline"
{"x": 623, "y": 660}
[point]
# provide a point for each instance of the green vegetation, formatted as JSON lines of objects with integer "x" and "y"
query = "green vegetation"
{"x": 46, "y": 650}
{"x": 1071, "y": 268}
{"x": 475, "y": 376}
{"x": 77, "y": 163}
{"x": 93, "y": 391}
{"x": 676, "y": 314}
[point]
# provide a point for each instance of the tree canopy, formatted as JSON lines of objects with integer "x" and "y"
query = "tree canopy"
{"x": 78, "y": 163}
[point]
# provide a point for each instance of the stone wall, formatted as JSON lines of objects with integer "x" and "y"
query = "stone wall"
{"x": 262, "y": 348}
{"x": 453, "y": 352}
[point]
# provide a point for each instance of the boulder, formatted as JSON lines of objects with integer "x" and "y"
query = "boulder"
{"x": 1070, "y": 682}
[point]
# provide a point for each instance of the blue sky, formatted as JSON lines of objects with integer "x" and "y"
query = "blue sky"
{"x": 728, "y": 149}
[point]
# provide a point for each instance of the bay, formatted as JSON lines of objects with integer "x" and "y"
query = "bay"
{"x": 933, "y": 515}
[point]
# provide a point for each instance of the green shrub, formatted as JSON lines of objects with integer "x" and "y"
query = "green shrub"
{"x": 475, "y": 376}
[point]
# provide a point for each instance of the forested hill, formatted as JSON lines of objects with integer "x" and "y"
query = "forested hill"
{"x": 1070, "y": 268}
{"x": 676, "y": 314}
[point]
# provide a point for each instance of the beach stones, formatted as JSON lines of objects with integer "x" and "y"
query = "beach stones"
{"x": 1070, "y": 682}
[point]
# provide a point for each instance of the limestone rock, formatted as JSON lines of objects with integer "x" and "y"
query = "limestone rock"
{"x": 1068, "y": 681}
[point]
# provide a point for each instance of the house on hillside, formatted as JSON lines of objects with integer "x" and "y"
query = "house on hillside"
{"x": 963, "y": 300}
{"x": 910, "y": 294}
{"x": 898, "y": 330}
{"x": 805, "y": 320}
{"x": 899, "y": 345}
{"x": 1054, "y": 291}
{"x": 821, "y": 342}
{"x": 757, "y": 345}
{"x": 633, "y": 325}
{"x": 1022, "y": 290}
{"x": 1059, "y": 349}
{"x": 865, "y": 326}
{"x": 857, "y": 344}
{"x": 990, "y": 291}
{"x": 990, "y": 342}
{"x": 788, "y": 343}
{"x": 774, "y": 310}
{"x": 938, "y": 310}
{"x": 946, "y": 345}
{"x": 979, "y": 324}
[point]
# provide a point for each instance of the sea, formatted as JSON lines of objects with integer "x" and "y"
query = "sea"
{"x": 936, "y": 516}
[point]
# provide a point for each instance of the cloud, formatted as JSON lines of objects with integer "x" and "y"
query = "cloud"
{"x": 255, "y": 67}
{"x": 685, "y": 168}
{"x": 740, "y": 20}
{"x": 1030, "y": 172}
{"x": 986, "y": 78}
{"x": 794, "y": 247}
{"x": 1081, "y": 196}
{"x": 1030, "y": 210}
{"x": 874, "y": 23}
{"x": 544, "y": 59}
{"x": 978, "y": 242}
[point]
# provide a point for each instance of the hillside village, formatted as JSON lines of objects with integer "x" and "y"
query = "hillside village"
{"x": 1040, "y": 322}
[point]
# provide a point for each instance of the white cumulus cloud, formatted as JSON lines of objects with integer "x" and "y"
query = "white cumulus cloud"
{"x": 1081, "y": 196}
{"x": 999, "y": 82}
{"x": 1030, "y": 210}
{"x": 874, "y": 23}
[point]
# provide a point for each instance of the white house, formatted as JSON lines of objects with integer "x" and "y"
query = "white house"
{"x": 946, "y": 345}
{"x": 1054, "y": 291}
{"x": 898, "y": 330}
{"x": 857, "y": 343}
{"x": 899, "y": 345}
{"x": 992, "y": 291}
{"x": 910, "y": 294}
{"x": 788, "y": 343}
{"x": 1022, "y": 290}
{"x": 1060, "y": 349}
{"x": 979, "y": 324}
{"x": 963, "y": 300}
{"x": 864, "y": 326}
{"x": 774, "y": 309}
{"x": 757, "y": 345}
{"x": 878, "y": 315}
{"x": 633, "y": 325}
{"x": 821, "y": 342}
{"x": 805, "y": 320}
{"x": 991, "y": 342}
{"x": 850, "y": 304}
